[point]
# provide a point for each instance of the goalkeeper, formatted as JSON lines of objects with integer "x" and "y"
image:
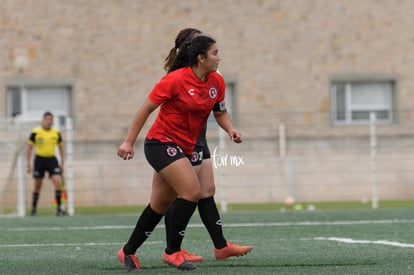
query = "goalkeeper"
{"x": 45, "y": 139}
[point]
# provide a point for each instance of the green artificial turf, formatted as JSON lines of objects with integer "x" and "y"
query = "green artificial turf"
{"x": 339, "y": 241}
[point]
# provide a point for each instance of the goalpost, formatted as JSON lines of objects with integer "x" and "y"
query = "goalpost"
{"x": 69, "y": 166}
{"x": 16, "y": 162}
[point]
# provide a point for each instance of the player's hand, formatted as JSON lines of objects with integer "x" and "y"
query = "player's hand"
{"x": 126, "y": 151}
{"x": 235, "y": 135}
{"x": 28, "y": 169}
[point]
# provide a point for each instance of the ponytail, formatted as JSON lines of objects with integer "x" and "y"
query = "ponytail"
{"x": 169, "y": 60}
{"x": 183, "y": 37}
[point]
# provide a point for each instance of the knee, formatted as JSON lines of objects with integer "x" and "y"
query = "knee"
{"x": 192, "y": 194}
{"x": 160, "y": 207}
{"x": 207, "y": 191}
{"x": 161, "y": 202}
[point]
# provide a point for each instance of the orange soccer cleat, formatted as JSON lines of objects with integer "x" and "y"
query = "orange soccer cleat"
{"x": 232, "y": 250}
{"x": 191, "y": 257}
{"x": 130, "y": 262}
{"x": 178, "y": 260}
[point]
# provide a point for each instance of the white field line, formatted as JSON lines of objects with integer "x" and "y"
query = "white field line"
{"x": 271, "y": 224}
{"x": 352, "y": 241}
{"x": 199, "y": 225}
{"x": 77, "y": 245}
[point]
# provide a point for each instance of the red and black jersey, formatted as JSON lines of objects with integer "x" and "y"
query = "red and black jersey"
{"x": 186, "y": 103}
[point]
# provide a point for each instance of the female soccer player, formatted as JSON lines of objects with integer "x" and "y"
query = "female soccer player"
{"x": 202, "y": 165}
{"x": 186, "y": 97}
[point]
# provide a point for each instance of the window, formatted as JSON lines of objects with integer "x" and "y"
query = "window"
{"x": 230, "y": 105}
{"x": 353, "y": 100}
{"x": 28, "y": 99}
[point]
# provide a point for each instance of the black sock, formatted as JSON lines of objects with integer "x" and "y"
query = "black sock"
{"x": 35, "y": 199}
{"x": 180, "y": 216}
{"x": 143, "y": 229}
{"x": 168, "y": 221}
{"x": 211, "y": 218}
{"x": 58, "y": 196}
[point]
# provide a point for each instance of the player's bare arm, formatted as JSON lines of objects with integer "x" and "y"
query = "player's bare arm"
{"x": 223, "y": 119}
{"x": 126, "y": 150}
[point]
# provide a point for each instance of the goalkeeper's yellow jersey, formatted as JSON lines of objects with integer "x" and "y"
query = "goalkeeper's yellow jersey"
{"x": 45, "y": 141}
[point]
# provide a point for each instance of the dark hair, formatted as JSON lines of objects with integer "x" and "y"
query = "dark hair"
{"x": 47, "y": 114}
{"x": 188, "y": 53}
{"x": 184, "y": 36}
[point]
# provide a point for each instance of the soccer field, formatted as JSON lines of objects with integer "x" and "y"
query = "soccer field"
{"x": 292, "y": 242}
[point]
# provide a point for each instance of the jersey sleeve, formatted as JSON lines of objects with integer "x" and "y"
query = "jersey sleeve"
{"x": 60, "y": 139}
{"x": 32, "y": 138}
{"x": 164, "y": 90}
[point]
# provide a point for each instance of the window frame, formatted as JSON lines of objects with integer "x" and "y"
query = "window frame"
{"x": 23, "y": 85}
{"x": 348, "y": 81}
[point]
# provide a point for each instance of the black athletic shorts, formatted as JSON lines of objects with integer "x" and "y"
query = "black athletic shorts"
{"x": 161, "y": 154}
{"x": 42, "y": 164}
{"x": 202, "y": 143}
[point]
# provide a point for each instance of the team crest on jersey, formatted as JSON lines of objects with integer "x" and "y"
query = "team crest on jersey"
{"x": 212, "y": 92}
{"x": 171, "y": 151}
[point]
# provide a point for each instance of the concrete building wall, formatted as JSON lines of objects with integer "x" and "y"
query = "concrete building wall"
{"x": 282, "y": 53}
